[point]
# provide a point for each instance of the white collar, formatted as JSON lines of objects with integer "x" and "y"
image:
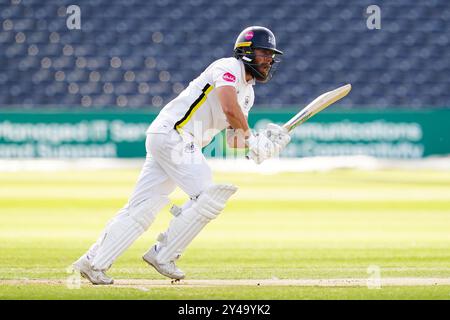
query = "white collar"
{"x": 252, "y": 82}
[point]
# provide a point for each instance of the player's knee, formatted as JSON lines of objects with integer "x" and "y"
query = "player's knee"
{"x": 212, "y": 200}
{"x": 145, "y": 212}
{"x": 208, "y": 207}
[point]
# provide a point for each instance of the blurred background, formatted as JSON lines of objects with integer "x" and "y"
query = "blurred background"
{"x": 81, "y": 80}
{"x": 85, "y": 82}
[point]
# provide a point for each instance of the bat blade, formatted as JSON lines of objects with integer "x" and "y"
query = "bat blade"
{"x": 317, "y": 105}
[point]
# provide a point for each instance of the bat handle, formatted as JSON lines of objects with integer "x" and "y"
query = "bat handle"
{"x": 288, "y": 128}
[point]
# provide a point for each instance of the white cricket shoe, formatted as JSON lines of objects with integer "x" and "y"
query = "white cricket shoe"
{"x": 166, "y": 269}
{"x": 83, "y": 266}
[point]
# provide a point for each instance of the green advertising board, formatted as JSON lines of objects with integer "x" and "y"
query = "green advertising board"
{"x": 378, "y": 133}
{"x": 121, "y": 134}
{"x": 50, "y": 134}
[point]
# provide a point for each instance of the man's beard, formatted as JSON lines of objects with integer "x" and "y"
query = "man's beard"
{"x": 258, "y": 72}
{"x": 264, "y": 69}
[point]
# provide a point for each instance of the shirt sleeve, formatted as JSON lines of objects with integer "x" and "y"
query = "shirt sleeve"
{"x": 225, "y": 74}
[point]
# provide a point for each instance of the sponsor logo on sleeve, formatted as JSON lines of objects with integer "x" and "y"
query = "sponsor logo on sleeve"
{"x": 229, "y": 77}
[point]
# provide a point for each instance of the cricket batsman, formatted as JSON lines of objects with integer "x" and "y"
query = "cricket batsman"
{"x": 219, "y": 98}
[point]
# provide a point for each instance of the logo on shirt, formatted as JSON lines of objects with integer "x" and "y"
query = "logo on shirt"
{"x": 229, "y": 77}
{"x": 189, "y": 147}
{"x": 247, "y": 100}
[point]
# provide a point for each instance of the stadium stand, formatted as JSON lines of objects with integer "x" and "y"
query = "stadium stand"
{"x": 141, "y": 53}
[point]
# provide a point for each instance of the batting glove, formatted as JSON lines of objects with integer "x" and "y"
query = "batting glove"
{"x": 261, "y": 148}
{"x": 278, "y": 135}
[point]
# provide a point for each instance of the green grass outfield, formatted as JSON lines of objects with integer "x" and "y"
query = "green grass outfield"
{"x": 301, "y": 226}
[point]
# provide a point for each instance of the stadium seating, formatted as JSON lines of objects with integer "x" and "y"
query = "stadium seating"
{"x": 142, "y": 53}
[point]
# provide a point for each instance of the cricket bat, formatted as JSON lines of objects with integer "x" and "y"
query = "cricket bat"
{"x": 317, "y": 105}
{"x": 320, "y": 103}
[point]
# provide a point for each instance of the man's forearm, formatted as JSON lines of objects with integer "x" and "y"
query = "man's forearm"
{"x": 230, "y": 106}
{"x": 235, "y": 139}
{"x": 238, "y": 122}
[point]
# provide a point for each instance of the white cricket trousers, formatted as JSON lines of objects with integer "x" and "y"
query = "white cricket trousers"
{"x": 171, "y": 161}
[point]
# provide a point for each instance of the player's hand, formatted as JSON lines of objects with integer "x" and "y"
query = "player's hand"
{"x": 261, "y": 148}
{"x": 278, "y": 135}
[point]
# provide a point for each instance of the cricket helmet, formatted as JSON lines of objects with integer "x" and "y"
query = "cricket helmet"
{"x": 252, "y": 38}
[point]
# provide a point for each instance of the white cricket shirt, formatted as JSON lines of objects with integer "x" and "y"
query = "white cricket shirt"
{"x": 197, "y": 110}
